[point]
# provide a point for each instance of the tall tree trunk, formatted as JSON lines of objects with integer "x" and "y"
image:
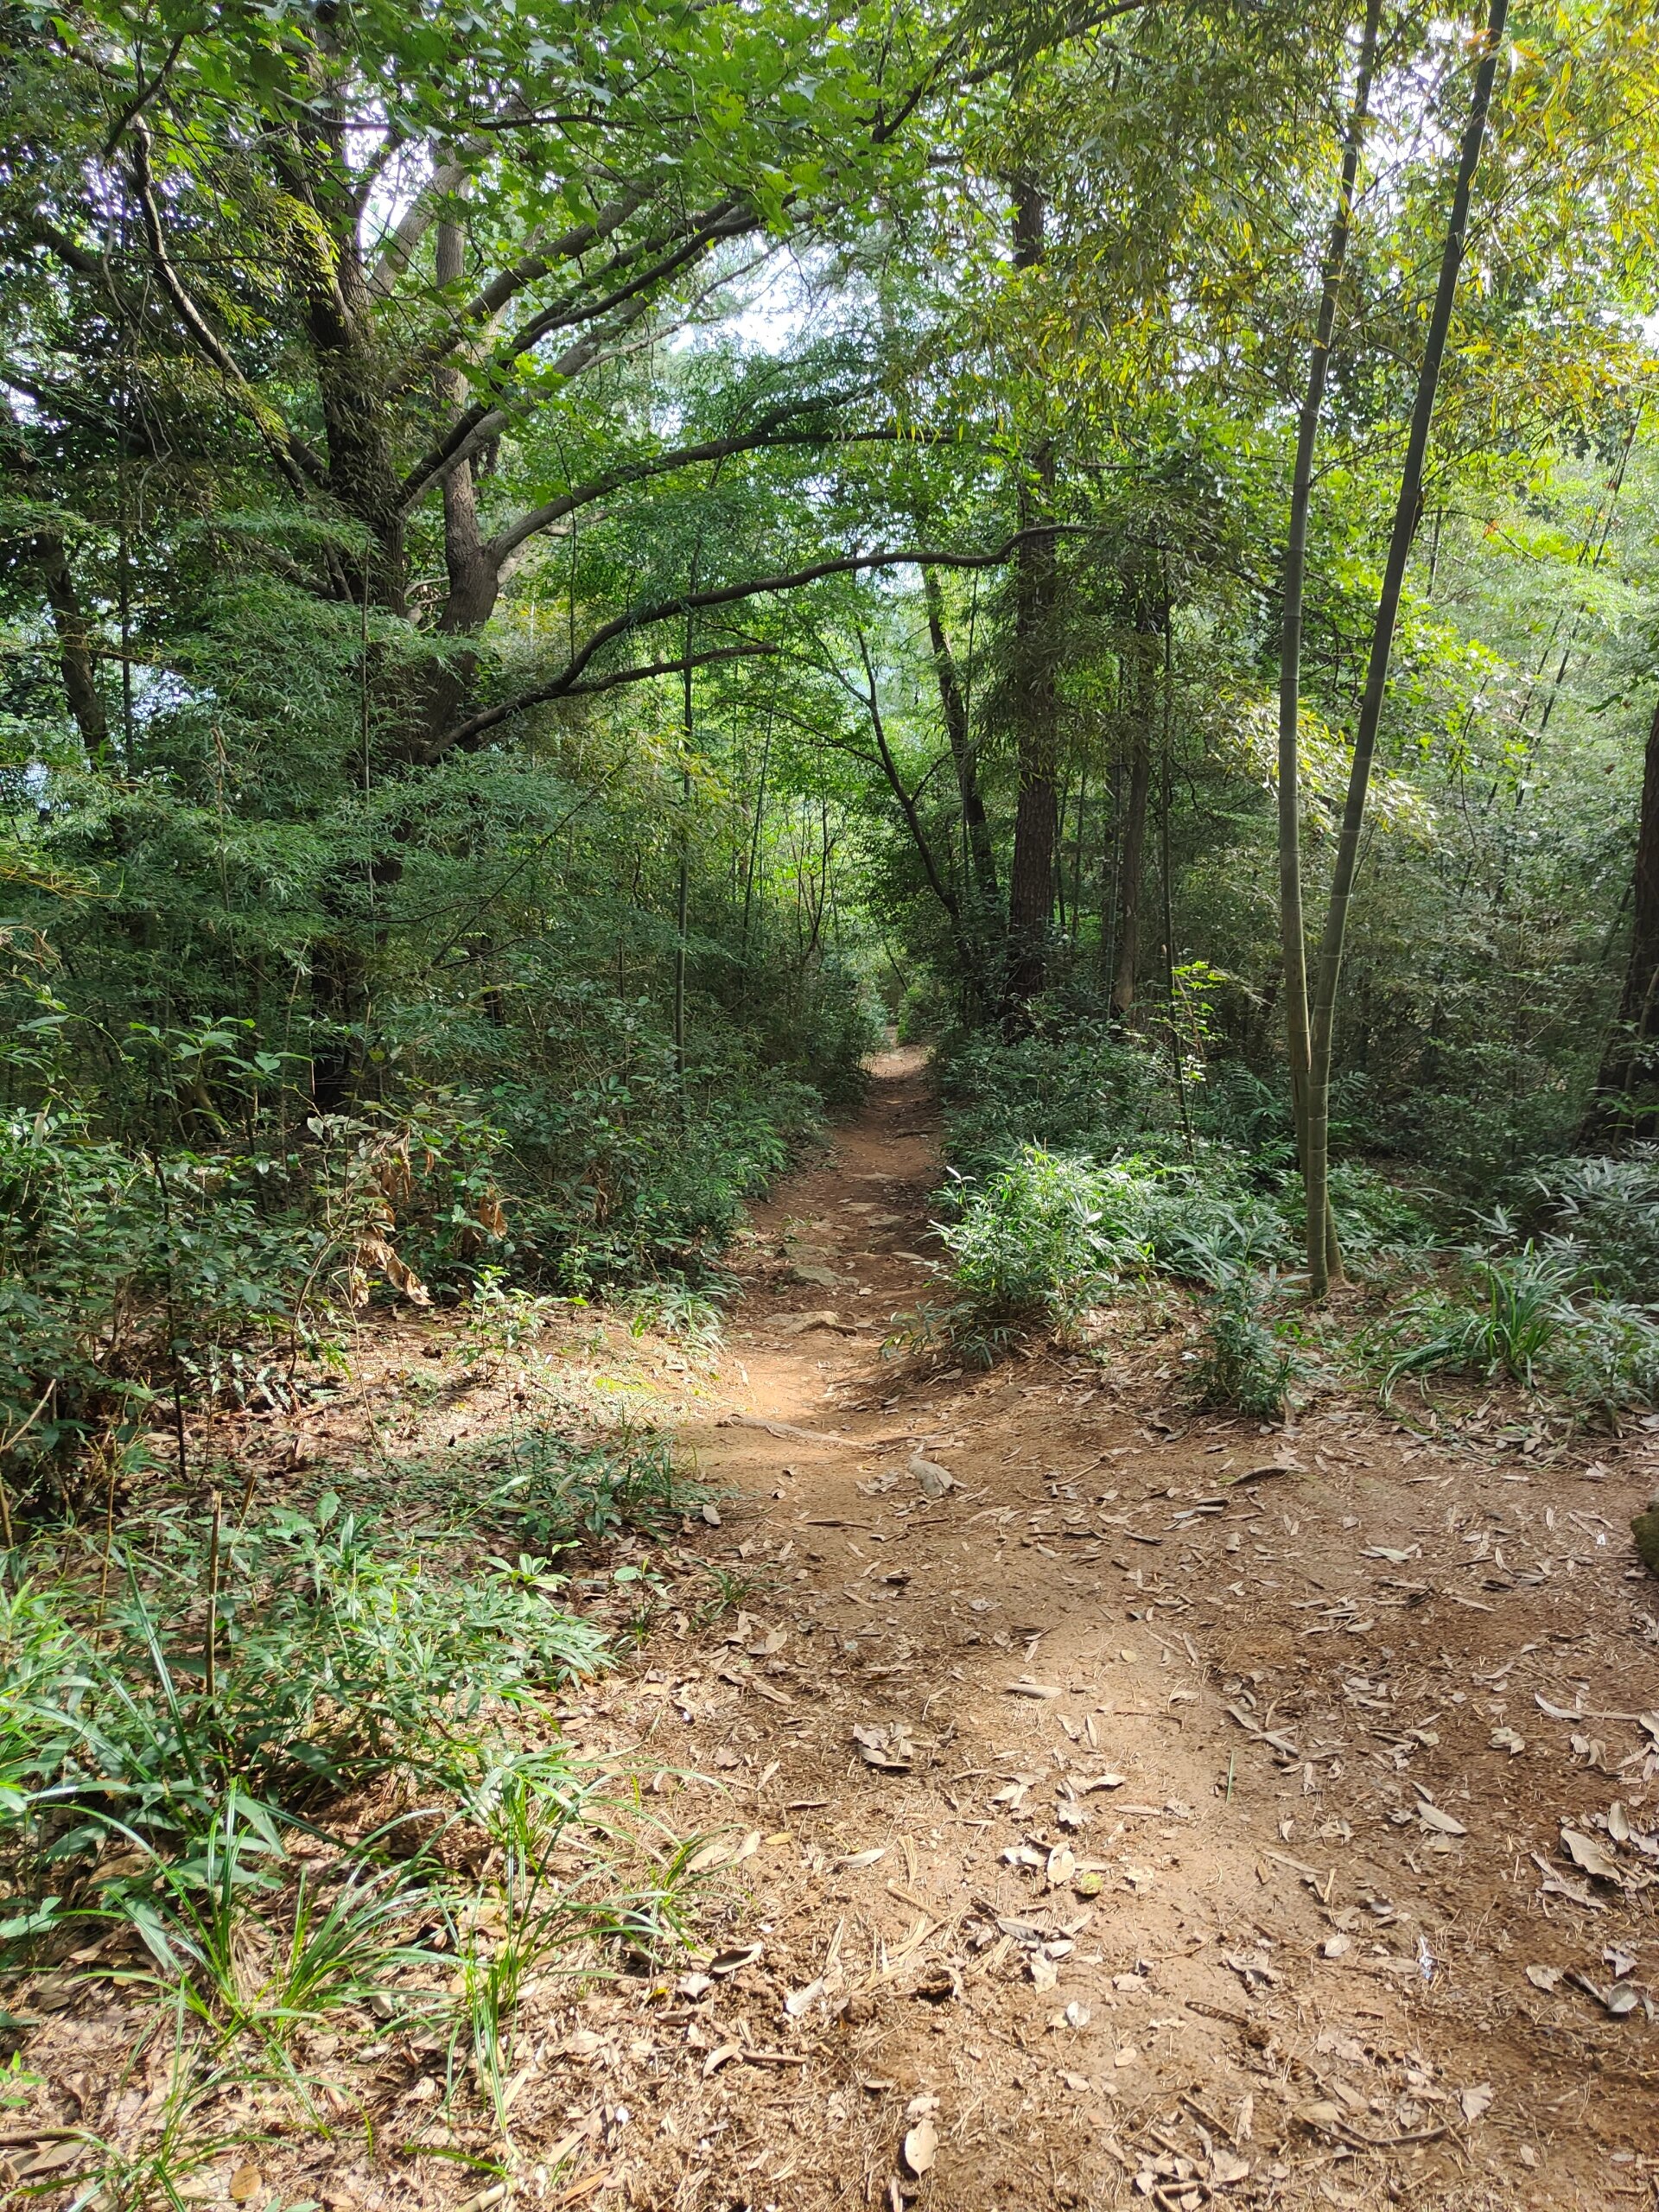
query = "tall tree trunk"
{"x": 683, "y": 876}
{"x": 1291, "y": 928}
{"x": 1031, "y": 873}
{"x": 45, "y": 553}
{"x": 1132, "y": 873}
{"x": 1625, "y": 1102}
{"x": 76, "y": 663}
{"x": 1133, "y": 870}
{"x": 327, "y": 270}
{"x": 1315, "y": 1149}
{"x": 963, "y": 755}
{"x": 1111, "y": 870}
{"x": 473, "y": 576}
{"x": 1076, "y": 862}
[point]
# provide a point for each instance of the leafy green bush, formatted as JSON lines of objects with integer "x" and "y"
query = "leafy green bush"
{"x": 1522, "y": 1309}
{"x": 1376, "y": 1220}
{"x": 1043, "y": 1235}
{"x": 1224, "y": 1197}
{"x": 111, "y": 1262}
{"x": 1206, "y": 1217}
{"x": 1242, "y": 1365}
{"x": 553, "y": 1494}
{"x": 1608, "y": 1360}
{"x": 1085, "y": 1090}
{"x": 1530, "y": 1323}
{"x": 126, "y": 1272}
{"x": 620, "y": 1180}
{"x": 1605, "y": 1210}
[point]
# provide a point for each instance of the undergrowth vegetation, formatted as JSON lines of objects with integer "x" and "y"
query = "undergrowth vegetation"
{"x": 132, "y": 1272}
{"x": 278, "y": 1766}
{"x": 559, "y": 566}
{"x": 1081, "y": 1167}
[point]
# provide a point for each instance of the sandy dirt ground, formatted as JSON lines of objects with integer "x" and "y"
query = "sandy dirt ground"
{"x": 1171, "y": 1810}
{"x": 1118, "y": 1804}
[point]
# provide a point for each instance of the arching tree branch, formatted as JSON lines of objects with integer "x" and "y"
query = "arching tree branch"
{"x": 765, "y": 437}
{"x": 691, "y": 602}
{"x": 623, "y": 305}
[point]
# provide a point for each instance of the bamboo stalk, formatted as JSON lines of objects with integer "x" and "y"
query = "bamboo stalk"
{"x": 1293, "y": 928}
{"x": 1316, "y": 1161}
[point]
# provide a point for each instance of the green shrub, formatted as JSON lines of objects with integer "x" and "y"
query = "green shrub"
{"x": 618, "y": 1181}
{"x": 1605, "y": 1209}
{"x": 112, "y": 1264}
{"x": 1529, "y": 1321}
{"x": 1521, "y": 1309}
{"x": 1086, "y": 1091}
{"x": 1244, "y": 1364}
{"x": 1607, "y": 1361}
{"x": 1043, "y": 1235}
{"x": 552, "y": 1494}
{"x": 1207, "y": 1216}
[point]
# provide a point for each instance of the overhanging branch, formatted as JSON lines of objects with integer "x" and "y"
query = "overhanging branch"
{"x": 690, "y": 602}
{"x": 763, "y": 438}
{"x": 626, "y": 301}
{"x": 480, "y": 724}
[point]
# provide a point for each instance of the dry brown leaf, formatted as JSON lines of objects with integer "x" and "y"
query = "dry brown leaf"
{"x": 1587, "y": 1854}
{"x": 935, "y": 1480}
{"x": 889, "y": 1751}
{"x": 1324, "y": 2112}
{"x": 921, "y": 2147}
{"x": 733, "y": 1962}
{"x": 1442, "y": 1823}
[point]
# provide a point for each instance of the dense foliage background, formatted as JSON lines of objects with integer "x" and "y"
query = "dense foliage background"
{"x": 560, "y": 567}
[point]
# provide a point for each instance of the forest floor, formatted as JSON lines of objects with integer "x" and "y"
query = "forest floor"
{"x": 1173, "y": 1810}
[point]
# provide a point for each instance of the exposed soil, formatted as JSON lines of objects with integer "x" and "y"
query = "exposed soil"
{"x": 1202, "y": 1836}
{"x": 1285, "y": 1957}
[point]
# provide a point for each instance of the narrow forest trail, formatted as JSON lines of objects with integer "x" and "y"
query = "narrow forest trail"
{"x": 1181, "y": 1854}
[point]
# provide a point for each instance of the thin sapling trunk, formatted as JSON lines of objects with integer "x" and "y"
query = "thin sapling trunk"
{"x": 1292, "y": 927}
{"x": 1316, "y": 1150}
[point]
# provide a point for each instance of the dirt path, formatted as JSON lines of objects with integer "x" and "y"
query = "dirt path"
{"x": 1171, "y": 1812}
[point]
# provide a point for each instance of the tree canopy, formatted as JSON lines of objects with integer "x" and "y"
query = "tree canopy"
{"x": 561, "y": 563}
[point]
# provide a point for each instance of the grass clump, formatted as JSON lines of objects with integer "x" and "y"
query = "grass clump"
{"x": 555, "y": 1495}
{"x": 1534, "y": 1316}
{"x": 295, "y": 1774}
{"x": 544, "y": 1492}
{"x": 289, "y": 1660}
